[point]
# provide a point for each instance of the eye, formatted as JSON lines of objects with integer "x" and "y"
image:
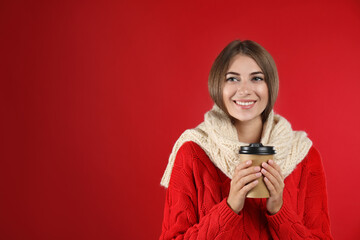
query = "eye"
{"x": 231, "y": 79}
{"x": 256, "y": 79}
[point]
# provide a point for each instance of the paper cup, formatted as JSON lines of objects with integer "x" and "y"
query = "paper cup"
{"x": 258, "y": 154}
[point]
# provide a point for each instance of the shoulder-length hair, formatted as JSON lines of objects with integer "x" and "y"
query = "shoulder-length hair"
{"x": 262, "y": 58}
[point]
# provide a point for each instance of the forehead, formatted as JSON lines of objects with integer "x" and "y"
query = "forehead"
{"x": 242, "y": 63}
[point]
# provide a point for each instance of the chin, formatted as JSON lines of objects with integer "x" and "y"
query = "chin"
{"x": 246, "y": 117}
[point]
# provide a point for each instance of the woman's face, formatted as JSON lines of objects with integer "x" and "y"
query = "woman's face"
{"x": 245, "y": 93}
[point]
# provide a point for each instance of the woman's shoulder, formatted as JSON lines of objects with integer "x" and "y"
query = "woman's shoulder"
{"x": 191, "y": 154}
{"x": 313, "y": 160}
{"x": 313, "y": 153}
{"x": 192, "y": 160}
{"x": 191, "y": 148}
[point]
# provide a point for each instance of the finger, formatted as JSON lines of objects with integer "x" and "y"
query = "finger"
{"x": 242, "y": 165}
{"x": 270, "y": 186}
{"x": 248, "y": 187}
{"x": 246, "y": 172}
{"x": 276, "y": 166}
{"x": 271, "y": 168}
{"x": 274, "y": 181}
{"x": 240, "y": 181}
{"x": 274, "y": 173}
{"x": 244, "y": 181}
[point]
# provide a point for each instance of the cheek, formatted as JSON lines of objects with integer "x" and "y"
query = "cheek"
{"x": 226, "y": 93}
{"x": 230, "y": 89}
{"x": 265, "y": 93}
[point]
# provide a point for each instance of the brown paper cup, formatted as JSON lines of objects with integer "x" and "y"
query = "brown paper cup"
{"x": 260, "y": 190}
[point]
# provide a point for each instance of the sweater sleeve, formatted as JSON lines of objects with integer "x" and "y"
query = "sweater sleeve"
{"x": 181, "y": 213}
{"x": 313, "y": 222}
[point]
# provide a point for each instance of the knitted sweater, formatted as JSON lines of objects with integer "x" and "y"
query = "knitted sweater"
{"x": 196, "y": 207}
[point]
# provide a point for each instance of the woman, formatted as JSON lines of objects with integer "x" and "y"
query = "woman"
{"x": 207, "y": 184}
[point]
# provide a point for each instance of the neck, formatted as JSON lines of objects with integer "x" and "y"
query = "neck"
{"x": 249, "y": 131}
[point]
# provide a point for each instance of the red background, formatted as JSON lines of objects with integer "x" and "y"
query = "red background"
{"x": 95, "y": 93}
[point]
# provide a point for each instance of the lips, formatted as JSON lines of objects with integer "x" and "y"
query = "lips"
{"x": 245, "y": 104}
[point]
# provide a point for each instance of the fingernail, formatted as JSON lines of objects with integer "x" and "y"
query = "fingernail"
{"x": 257, "y": 168}
{"x": 264, "y": 164}
{"x": 258, "y": 174}
{"x": 271, "y": 161}
{"x": 263, "y": 170}
{"x": 248, "y": 162}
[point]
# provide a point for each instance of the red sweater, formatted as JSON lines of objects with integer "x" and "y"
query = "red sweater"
{"x": 196, "y": 208}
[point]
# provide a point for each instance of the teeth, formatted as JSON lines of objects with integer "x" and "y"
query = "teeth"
{"x": 244, "y": 103}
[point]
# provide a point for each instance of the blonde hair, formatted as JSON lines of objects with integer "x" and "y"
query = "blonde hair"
{"x": 262, "y": 58}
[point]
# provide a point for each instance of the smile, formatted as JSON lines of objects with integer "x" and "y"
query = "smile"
{"x": 244, "y": 103}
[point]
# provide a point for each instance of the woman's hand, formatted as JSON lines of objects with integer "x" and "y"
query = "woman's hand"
{"x": 274, "y": 181}
{"x": 244, "y": 179}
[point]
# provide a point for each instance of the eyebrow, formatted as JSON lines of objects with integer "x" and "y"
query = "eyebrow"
{"x": 235, "y": 73}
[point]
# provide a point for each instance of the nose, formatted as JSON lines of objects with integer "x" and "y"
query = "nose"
{"x": 243, "y": 88}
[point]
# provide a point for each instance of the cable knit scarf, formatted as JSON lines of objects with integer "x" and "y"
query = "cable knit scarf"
{"x": 217, "y": 136}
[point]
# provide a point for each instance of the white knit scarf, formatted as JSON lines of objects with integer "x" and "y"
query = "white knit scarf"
{"x": 218, "y": 137}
